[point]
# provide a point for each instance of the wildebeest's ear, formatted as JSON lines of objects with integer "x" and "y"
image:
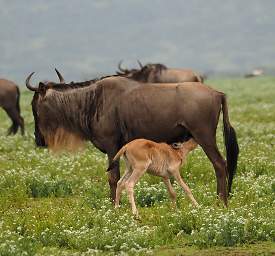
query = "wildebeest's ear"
{"x": 42, "y": 88}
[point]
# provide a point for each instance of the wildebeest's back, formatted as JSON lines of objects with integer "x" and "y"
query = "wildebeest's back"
{"x": 175, "y": 76}
{"x": 163, "y": 112}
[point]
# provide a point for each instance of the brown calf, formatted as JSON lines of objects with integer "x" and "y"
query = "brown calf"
{"x": 158, "y": 159}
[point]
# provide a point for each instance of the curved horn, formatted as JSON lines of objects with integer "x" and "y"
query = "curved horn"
{"x": 61, "y": 79}
{"x": 140, "y": 65}
{"x": 120, "y": 68}
{"x": 28, "y": 83}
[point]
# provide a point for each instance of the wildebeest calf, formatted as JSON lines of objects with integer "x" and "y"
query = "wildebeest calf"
{"x": 159, "y": 159}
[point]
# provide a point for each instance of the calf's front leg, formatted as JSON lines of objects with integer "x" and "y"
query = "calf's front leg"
{"x": 170, "y": 189}
{"x": 186, "y": 189}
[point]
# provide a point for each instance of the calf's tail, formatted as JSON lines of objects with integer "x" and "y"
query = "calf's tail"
{"x": 116, "y": 157}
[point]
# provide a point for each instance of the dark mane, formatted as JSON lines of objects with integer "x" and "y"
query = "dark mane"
{"x": 71, "y": 85}
{"x": 103, "y": 77}
{"x": 156, "y": 66}
{"x": 89, "y": 104}
{"x": 132, "y": 74}
{"x": 75, "y": 85}
{"x": 143, "y": 72}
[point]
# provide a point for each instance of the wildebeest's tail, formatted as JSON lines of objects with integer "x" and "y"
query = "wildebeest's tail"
{"x": 231, "y": 144}
{"x": 18, "y": 99}
{"x": 116, "y": 157}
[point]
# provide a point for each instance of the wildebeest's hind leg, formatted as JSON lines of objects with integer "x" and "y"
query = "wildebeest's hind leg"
{"x": 207, "y": 141}
{"x": 14, "y": 116}
{"x": 21, "y": 124}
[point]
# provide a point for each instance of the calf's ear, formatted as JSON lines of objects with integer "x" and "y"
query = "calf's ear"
{"x": 176, "y": 145}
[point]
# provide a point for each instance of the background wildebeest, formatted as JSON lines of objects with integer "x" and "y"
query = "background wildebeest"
{"x": 159, "y": 73}
{"x": 255, "y": 73}
{"x": 9, "y": 101}
{"x": 116, "y": 110}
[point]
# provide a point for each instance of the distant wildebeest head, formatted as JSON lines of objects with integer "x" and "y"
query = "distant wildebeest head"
{"x": 115, "y": 110}
{"x": 9, "y": 101}
{"x": 159, "y": 73}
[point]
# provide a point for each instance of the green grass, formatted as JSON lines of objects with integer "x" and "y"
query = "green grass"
{"x": 59, "y": 205}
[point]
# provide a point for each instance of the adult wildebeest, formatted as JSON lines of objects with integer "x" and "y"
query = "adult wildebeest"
{"x": 159, "y": 73}
{"x": 116, "y": 110}
{"x": 9, "y": 101}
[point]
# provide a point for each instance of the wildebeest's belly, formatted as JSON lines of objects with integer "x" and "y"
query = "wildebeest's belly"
{"x": 153, "y": 113}
{"x": 158, "y": 132}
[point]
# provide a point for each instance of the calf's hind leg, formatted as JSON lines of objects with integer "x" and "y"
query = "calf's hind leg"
{"x": 121, "y": 186}
{"x": 131, "y": 182}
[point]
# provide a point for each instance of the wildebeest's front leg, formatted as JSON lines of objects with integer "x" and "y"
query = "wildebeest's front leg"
{"x": 113, "y": 176}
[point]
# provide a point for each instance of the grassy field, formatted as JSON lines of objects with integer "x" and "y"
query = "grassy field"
{"x": 59, "y": 205}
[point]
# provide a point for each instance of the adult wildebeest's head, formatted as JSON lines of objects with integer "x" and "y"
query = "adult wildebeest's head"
{"x": 40, "y": 92}
{"x": 159, "y": 73}
{"x": 42, "y": 114}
